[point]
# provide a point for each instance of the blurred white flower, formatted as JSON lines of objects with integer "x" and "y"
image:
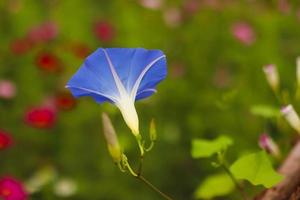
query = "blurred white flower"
{"x": 65, "y": 187}
{"x": 40, "y": 179}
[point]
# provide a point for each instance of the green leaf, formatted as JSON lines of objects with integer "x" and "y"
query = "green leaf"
{"x": 205, "y": 148}
{"x": 257, "y": 169}
{"x": 215, "y": 185}
{"x": 266, "y": 111}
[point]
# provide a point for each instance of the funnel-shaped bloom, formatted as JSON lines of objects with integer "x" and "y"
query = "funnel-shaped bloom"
{"x": 120, "y": 76}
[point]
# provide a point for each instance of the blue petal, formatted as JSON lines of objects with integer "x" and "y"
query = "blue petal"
{"x": 108, "y": 72}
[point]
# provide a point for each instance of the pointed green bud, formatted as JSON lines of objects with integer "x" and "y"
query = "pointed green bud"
{"x": 152, "y": 131}
{"x": 291, "y": 117}
{"x": 272, "y": 76}
{"x": 111, "y": 139}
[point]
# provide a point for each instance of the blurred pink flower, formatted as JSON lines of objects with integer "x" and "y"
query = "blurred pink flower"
{"x": 243, "y": 32}
{"x": 41, "y": 117}
{"x": 172, "y": 17}
{"x": 12, "y": 189}
{"x": 152, "y": 4}
{"x": 5, "y": 140}
{"x": 191, "y": 6}
{"x": 7, "y": 89}
{"x": 43, "y": 32}
{"x": 266, "y": 143}
{"x": 104, "y": 31}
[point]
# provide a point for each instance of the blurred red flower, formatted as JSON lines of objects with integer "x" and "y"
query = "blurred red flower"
{"x": 41, "y": 117}
{"x": 243, "y": 32}
{"x": 12, "y": 189}
{"x": 7, "y": 89}
{"x": 43, "y": 32}
{"x": 21, "y": 46}
{"x": 48, "y": 62}
{"x": 64, "y": 101}
{"x": 5, "y": 140}
{"x": 104, "y": 31}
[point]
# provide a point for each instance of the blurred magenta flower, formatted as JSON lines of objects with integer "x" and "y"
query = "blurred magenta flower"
{"x": 5, "y": 140}
{"x": 20, "y": 46}
{"x": 120, "y": 76}
{"x": 152, "y": 4}
{"x": 7, "y": 89}
{"x": 104, "y": 31}
{"x": 243, "y": 32}
{"x": 266, "y": 143}
{"x": 12, "y": 189}
{"x": 48, "y": 62}
{"x": 41, "y": 117}
{"x": 64, "y": 101}
{"x": 43, "y": 32}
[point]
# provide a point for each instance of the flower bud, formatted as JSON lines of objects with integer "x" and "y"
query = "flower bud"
{"x": 267, "y": 143}
{"x": 272, "y": 76}
{"x": 111, "y": 138}
{"x": 291, "y": 116}
{"x": 152, "y": 131}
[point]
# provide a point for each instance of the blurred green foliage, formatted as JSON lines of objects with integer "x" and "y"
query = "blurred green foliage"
{"x": 213, "y": 83}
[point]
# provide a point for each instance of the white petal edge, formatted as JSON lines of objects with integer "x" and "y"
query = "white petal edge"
{"x": 141, "y": 76}
{"x": 94, "y": 92}
{"x": 117, "y": 80}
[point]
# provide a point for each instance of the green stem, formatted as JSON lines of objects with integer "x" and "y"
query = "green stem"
{"x": 146, "y": 182}
{"x": 150, "y": 146}
{"x": 141, "y": 147}
{"x": 234, "y": 180}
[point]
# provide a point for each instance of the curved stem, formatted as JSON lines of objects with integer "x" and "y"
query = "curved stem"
{"x": 146, "y": 182}
{"x": 150, "y": 146}
{"x": 140, "y": 143}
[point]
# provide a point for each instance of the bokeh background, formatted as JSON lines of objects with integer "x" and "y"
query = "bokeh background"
{"x": 215, "y": 51}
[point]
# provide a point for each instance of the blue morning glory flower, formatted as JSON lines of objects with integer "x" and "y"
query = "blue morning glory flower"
{"x": 120, "y": 76}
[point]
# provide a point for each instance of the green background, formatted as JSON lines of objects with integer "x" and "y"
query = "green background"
{"x": 219, "y": 80}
